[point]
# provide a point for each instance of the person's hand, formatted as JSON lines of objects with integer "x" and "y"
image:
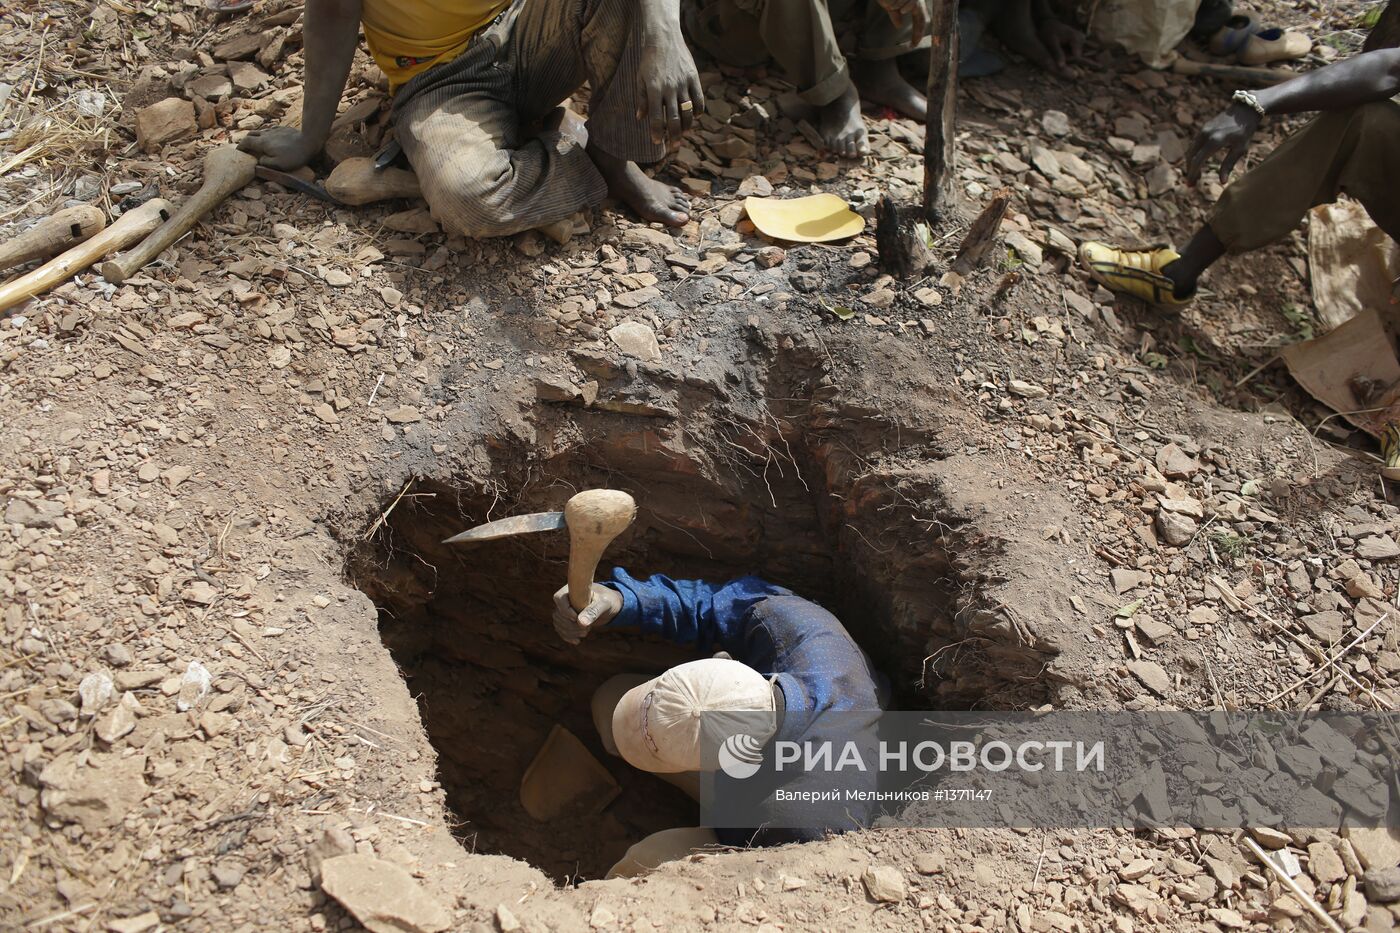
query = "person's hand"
{"x": 604, "y": 602}
{"x": 1064, "y": 43}
{"x": 284, "y": 148}
{"x": 1231, "y": 131}
{"x": 901, "y": 11}
{"x": 671, "y": 86}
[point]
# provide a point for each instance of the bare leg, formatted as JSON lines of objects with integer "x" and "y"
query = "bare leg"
{"x": 1198, "y": 256}
{"x": 880, "y": 82}
{"x": 651, "y": 199}
{"x": 841, "y": 125}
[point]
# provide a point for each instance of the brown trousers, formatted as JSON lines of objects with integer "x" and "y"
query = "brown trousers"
{"x": 803, "y": 36}
{"x": 1356, "y": 152}
{"x": 465, "y": 125}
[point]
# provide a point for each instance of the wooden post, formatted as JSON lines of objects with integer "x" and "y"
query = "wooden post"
{"x": 940, "y": 149}
{"x": 1386, "y": 33}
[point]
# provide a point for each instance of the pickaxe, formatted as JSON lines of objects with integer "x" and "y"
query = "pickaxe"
{"x": 594, "y": 518}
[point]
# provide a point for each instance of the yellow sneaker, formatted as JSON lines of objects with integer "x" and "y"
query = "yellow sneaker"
{"x": 1390, "y": 452}
{"x": 1132, "y": 272}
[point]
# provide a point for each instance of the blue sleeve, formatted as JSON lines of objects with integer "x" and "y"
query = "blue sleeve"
{"x": 690, "y": 611}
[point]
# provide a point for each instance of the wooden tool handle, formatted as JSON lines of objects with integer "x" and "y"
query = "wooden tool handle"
{"x": 594, "y": 517}
{"x": 357, "y": 181}
{"x": 225, "y": 171}
{"x": 52, "y": 235}
{"x": 129, "y": 228}
{"x": 1244, "y": 74}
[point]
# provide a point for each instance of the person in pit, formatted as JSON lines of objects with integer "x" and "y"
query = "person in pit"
{"x": 779, "y": 655}
{"x": 477, "y": 91}
{"x": 1352, "y": 147}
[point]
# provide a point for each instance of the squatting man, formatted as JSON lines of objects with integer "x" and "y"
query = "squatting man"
{"x": 778, "y": 654}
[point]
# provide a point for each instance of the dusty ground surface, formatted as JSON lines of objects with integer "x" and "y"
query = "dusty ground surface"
{"x": 1016, "y": 492}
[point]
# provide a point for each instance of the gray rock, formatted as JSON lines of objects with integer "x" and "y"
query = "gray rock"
{"x": 1382, "y": 885}
{"x": 227, "y": 875}
{"x": 554, "y": 388}
{"x": 884, "y": 883}
{"x": 1325, "y": 865}
{"x": 1175, "y": 463}
{"x": 1153, "y": 676}
{"x": 1055, "y": 123}
{"x": 382, "y": 895}
{"x": 1026, "y": 248}
{"x": 1176, "y": 530}
{"x": 1327, "y": 627}
{"x": 33, "y": 513}
{"x": 636, "y": 340}
{"x": 1377, "y": 547}
{"x": 1124, "y": 580}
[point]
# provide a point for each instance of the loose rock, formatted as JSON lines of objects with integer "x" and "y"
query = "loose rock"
{"x": 382, "y": 896}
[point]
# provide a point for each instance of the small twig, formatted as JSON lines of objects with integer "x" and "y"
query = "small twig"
{"x": 392, "y": 816}
{"x": 62, "y": 915}
{"x": 1258, "y": 369}
{"x": 1294, "y": 888}
{"x": 384, "y": 516}
{"x": 1330, "y": 662}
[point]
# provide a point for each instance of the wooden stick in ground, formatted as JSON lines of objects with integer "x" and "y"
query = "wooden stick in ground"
{"x": 1303, "y": 898}
{"x": 940, "y": 145}
{"x": 225, "y": 171}
{"x": 129, "y": 228}
{"x": 901, "y": 244}
{"x": 52, "y": 235}
{"x": 982, "y": 234}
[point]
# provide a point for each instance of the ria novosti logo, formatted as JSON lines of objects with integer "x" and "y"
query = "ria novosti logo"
{"x": 740, "y": 756}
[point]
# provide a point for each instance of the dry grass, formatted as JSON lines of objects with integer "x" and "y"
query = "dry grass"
{"x": 57, "y": 123}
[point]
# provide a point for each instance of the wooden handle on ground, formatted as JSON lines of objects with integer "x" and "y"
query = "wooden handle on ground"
{"x": 52, "y": 235}
{"x": 594, "y": 517}
{"x": 129, "y": 228}
{"x": 357, "y": 181}
{"x": 225, "y": 171}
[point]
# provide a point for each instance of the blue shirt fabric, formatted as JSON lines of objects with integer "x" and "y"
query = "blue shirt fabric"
{"x": 804, "y": 648}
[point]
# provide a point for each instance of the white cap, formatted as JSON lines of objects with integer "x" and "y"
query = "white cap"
{"x": 657, "y": 724}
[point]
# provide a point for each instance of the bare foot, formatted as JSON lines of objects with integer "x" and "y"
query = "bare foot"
{"x": 840, "y": 124}
{"x": 881, "y": 83}
{"x": 651, "y": 199}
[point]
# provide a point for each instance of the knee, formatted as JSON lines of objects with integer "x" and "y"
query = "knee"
{"x": 474, "y": 202}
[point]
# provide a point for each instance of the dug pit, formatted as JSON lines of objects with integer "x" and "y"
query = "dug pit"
{"x": 469, "y": 626}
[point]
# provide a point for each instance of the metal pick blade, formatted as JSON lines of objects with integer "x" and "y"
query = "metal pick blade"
{"x": 515, "y": 525}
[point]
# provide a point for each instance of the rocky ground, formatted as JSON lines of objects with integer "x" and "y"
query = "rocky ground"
{"x": 222, "y": 479}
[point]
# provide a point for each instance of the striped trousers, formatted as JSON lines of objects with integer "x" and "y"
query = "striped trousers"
{"x": 469, "y": 126}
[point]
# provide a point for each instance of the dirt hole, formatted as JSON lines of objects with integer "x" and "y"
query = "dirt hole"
{"x": 469, "y": 626}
